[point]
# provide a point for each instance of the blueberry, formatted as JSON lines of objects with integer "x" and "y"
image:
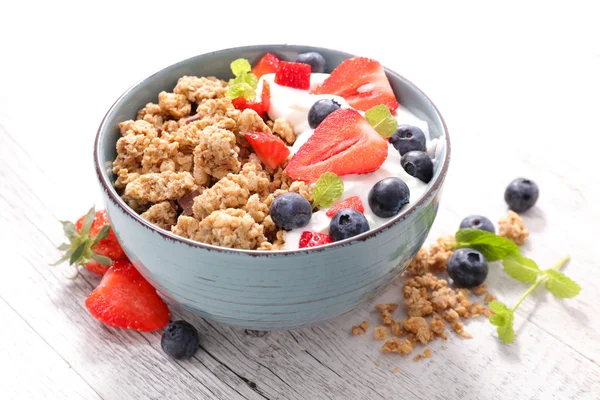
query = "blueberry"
{"x": 467, "y": 268}
{"x": 315, "y": 60}
{"x": 180, "y": 340}
{"x": 418, "y": 164}
{"x": 347, "y": 223}
{"x": 521, "y": 194}
{"x": 478, "y": 222}
{"x": 320, "y": 110}
{"x": 290, "y": 211}
{"x": 408, "y": 138}
{"x": 388, "y": 196}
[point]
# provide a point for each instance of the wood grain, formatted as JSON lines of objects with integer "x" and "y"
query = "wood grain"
{"x": 518, "y": 101}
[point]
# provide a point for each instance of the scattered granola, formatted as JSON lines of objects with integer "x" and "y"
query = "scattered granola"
{"x": 513, "y": 228}
{"x": 360, "y": 329}
{"x": 394, "y": 345}
{"x": 426, "y": 354}
{"x": 386, "y": 311}
{"x": 381, "y": 333}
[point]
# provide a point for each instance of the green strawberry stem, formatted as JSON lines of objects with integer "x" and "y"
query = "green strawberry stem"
{"x": 556, "y": 266}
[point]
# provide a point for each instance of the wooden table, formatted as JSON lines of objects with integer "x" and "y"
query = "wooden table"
{"x": 520, "y": 90}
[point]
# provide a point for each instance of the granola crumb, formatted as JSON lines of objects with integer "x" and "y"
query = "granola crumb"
{"x": 381, "y": 333}
{"x": 173, "y": 104}
{"x": 162, "y": 215}
{"x": 459, "y": 328}
{"x": 426, "y": 354}
{"x": 283, "y": 129}
{"x": 360, "y": 329}
{"x": 419, "y": 327}
{"x": 437, "y": 325}
{"x": 151, "y": 113}
{"x": 480, "y": 290}
{"x": 394, "y": 345}
{"x": 226, "y": 193}
{"x": 395, "y": 370}
{"x": 513, "y": 228}
{"x": 433, "y": 258}
{"x": 397, "y": 329}
{"x": 198, "y": 89}
{"x": 158, "y": 187}
{"x": 386, "y": 311}
{"x": 217, "y": 153}
{"x": 488, "y": 298}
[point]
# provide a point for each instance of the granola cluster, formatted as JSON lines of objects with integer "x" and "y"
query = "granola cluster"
{"x": 185, "y": 166}
{"x": 513, "y": 228}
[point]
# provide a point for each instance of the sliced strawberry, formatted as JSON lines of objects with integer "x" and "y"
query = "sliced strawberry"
{"x": 312, "y": 239}
{"x": 344, "y": 143}
{"x": 268, "y": 64}
{"x": 292, "y": 74}
{"x": 261, "y": 107}
{"x": 362, "y": 83}
{"x": 351, "y": 202}
{"x": 271, "y": 150}
{"x": 124, "y": 299}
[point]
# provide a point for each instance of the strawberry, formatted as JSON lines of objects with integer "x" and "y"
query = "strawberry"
{"x": 344, "y": 143}
{"x": 294, "y": 75}
{"x": 93, "y": 243}
{"x": 351, "y": 202}
{"x": 261, "y": 107}
{"x": 268, "y": 64}
{"x": 362, "y": 83}
{"x": 312, "y": 239}
{"x": 124, "y": 299}
{"x": 271, "y": 150}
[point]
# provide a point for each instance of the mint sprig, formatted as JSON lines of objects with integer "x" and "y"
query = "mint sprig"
{"x": 555, "y": 281}
{"x": 380, "y": 118}
{"x": 244, "y": 84}
{"x": 328, "y": 188}
{"x": 493, "y": 247}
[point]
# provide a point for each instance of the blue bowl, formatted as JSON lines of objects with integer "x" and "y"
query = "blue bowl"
{"x": 258, "y": 289}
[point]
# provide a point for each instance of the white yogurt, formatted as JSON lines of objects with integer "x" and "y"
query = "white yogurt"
{"x": 293, "y": 105}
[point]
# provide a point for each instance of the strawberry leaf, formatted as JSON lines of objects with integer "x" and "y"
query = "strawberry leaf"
{"x": 77, "y": 253}
{"x": 103, "y": 260}
{"x": 69, "y": 229}
{"x": 102, "y": 234}
{"x": 87, "y": 222}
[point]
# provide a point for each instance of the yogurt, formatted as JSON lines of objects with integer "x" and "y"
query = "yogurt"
{"x": 293, "y": 105}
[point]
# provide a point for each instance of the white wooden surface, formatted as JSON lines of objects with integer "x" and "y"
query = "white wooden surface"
{"x": 519, "y": 86}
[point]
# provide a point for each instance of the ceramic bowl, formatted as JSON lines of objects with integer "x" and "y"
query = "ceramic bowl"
{"x": 258, "y": 289}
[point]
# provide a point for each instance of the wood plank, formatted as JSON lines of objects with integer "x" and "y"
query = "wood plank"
{"x": 30, "y": 368}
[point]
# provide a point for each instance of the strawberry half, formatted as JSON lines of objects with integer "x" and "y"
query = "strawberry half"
{"x": 261, "y": 107}
{"x": 353, "y": 202}
{"x": 92, "y": 243}
{"x": 294, "y": 75}
{"x": 124, "y": 299}
{"x": 271, "y": 150}
{"x": 344, "y": 143}
{"x": 362, "y": 83}
{"x": 312, "y": 239}
{"x": 268, "y": 64}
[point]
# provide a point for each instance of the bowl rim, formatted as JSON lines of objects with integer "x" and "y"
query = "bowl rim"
{"x": 108, "y": 187}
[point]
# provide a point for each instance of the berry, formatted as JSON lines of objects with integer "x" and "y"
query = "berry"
{"x": 353, "y": 202}
{"x": 180, "y": 340}
{"x": 268, "y": 64}
{"x": 294, "y": 75}
{"x": 467, "y": 268}
{"x": 346, "y": 224}
{"x": 315, "y": 60}
{"x": 96, "y": 244}
{"x": 290, "y": 211}
{"x": 408, "y": 138}
{"x": 271, "y": 150}
{"x": 320, "y": 110}
{"x": 478, "y": 222}
{"x": 261, "y": 106}
{"x": 344, "y": 143}
{"x": 388, "y": 196}
{"x": 124, "y": 299}
{"x": 521, "y": 194}
{"x": 362, "y": 82}
{"x": 312, "y": 239}
{"x": 418, "y": 164}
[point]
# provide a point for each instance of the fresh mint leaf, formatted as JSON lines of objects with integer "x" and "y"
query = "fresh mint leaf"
{"x": 240, "y": 89}
{"x": 328, "y": 188}
{"x": 380, "y": 118}
{"x": 240, "y": 66}
{"x": 251, "y": 80}
{"x": 521, "y": 268}
{"x": 493, "y": 247}
{"x": 502, "y": 318}
{"x": 561, "y": 285}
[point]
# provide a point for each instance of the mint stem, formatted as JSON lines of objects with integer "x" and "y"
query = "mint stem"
{"x": 556, "y": 266}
